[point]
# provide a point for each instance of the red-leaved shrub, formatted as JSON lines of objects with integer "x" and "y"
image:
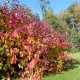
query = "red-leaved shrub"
{"x": 30, "y": 46}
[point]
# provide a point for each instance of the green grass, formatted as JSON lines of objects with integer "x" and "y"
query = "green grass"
{"x": 75, "y": 56}
{"x": 71, "y": 74}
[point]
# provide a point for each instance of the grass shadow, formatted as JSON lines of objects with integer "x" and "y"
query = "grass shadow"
{"x": 74, "y": 66}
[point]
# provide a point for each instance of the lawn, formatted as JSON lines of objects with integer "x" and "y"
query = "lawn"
{"x": 71, "y": 74}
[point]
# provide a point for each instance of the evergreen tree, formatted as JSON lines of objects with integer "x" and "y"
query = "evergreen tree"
{"x": 74, "y": 40}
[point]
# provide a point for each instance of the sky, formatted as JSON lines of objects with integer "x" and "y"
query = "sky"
{"x": 57, "y": 5}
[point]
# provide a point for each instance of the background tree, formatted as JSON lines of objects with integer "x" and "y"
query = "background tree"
{"x": 44, "y": 5}
{"x": 51, "y": 18}
{"x": 71, "y": 8}
{"x": 64, "y": 21}
{"x": 58, "y": 22}
{"x": 74, "y": 40}
{"x": 77, "y": 14}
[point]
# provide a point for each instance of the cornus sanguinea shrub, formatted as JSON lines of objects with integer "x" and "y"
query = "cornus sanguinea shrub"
{"x": 30, "y": 47}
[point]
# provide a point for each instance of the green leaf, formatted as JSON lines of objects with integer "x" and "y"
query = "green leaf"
{"x": 1, "y": 66}
{"x": 1, "y": 27}
{"x": 1, "y": 49}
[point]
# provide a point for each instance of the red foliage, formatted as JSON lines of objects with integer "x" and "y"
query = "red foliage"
{"x": 30, "y": 46}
